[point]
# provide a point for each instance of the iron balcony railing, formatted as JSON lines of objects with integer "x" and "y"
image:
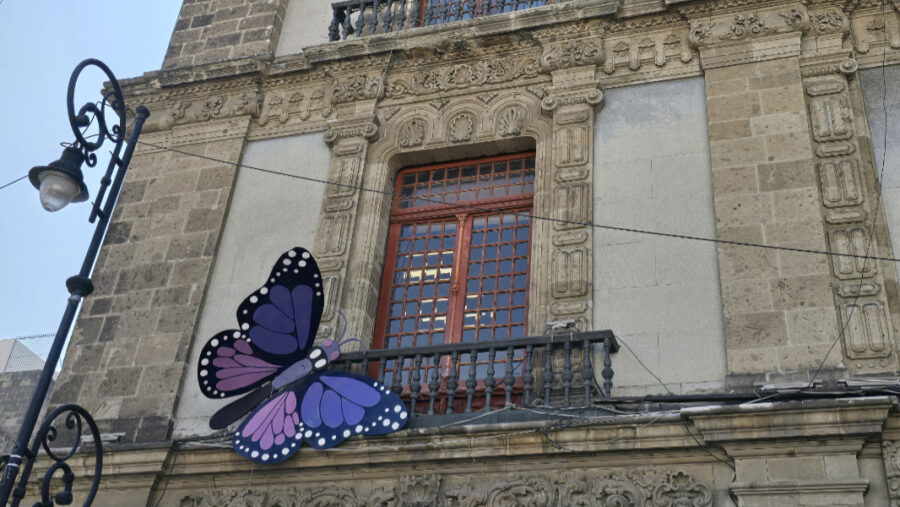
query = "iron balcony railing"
{"x": 550, "y": 371}
{"x": 368, "y": 17}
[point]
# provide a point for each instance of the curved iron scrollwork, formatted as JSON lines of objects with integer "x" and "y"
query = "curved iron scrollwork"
{"x": 81, "y": 119}
{"x": 91, "y": 112}
{"x": 75, "y": 418}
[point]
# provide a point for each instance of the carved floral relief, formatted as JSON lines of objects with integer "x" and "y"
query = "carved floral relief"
{"x": 639, "y": 488}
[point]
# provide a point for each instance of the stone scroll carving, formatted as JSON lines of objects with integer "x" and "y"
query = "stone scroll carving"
{"x": 890, "y": 452}
{"x": 748, "y": 25}
{"x": 637, "y": 488}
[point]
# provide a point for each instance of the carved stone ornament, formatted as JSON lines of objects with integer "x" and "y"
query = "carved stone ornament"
{"x": 511, "y": 122}
{"x": 639, "y": 488}
{"x": 358, "y": 87}
{"x": 829, "y": 22}
{"x": 412, "y": 133}
{"x": 464, "y": 75}
{"x": 368, "y": 131}
{"x": 891, "y": 455}
{"x": 748, "y": 25}
{"x": 572, "y": 53}
{"x": 211, "y": 108}
{"x": 553, "y": 100}
{"x": 461, "y": 128}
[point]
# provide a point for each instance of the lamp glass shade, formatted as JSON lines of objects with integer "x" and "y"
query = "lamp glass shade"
{"x": 57, "y": 190}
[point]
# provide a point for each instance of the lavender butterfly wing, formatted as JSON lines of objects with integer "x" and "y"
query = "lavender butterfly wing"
{"x": 323, "y": 409}
{"x": 278, "y": 324}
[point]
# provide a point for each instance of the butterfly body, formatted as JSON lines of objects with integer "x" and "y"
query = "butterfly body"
{"x": 294, "y": 396}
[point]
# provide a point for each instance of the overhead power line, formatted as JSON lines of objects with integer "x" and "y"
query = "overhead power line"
{"x": 534, "y": 217}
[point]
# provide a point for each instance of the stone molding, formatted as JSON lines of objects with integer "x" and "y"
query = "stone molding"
{"x": 299, "y": 94}
{"x": 653, "y": 488}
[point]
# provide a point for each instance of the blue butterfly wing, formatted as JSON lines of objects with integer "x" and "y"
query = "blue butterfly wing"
{"x": 337, "y": 405}
{"x": 323, "y": 409}
{"x": 278, "y": 325}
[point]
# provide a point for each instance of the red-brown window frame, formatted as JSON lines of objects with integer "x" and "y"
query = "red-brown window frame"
{"x": 464, "y": 212}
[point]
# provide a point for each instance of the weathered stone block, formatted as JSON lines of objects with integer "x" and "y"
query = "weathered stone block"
{"x": 802, "y": 292}
{"x": 756, "y": 330}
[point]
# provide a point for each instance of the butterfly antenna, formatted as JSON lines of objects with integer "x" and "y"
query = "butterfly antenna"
{"x": 361, "y": 344}
{"x": 346, "y": 325}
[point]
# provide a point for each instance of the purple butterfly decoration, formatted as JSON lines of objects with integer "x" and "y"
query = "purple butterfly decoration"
{"x": 293, "y": 397}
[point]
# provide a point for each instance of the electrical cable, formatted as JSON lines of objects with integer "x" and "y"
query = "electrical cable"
{"x": 13, "y": 181}
{"x": 530, "y": 215}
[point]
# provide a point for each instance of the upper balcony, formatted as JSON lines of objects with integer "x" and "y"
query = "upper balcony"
{"x": 360, "y": 18}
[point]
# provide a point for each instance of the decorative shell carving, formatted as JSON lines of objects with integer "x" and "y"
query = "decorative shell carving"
{"x": 511, "y": 122}
{"x": 461, "y": 128}
{"x": 412, "y": 133}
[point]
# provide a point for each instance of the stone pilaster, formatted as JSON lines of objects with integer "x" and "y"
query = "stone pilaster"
{"x": 779, "y": 316}
{"x": 852, "y": 215}
{"x": 344, "y": 285}
{"x": 570, "y": 101}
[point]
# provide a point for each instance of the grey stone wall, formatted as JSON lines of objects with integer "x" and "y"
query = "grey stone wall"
{"x": 883, "y": 112}
{"x": 215, "y": 30}
{"x": 269, "y": 214}
{"x": 661, "y": 295}
{"x": 16, "y": 389}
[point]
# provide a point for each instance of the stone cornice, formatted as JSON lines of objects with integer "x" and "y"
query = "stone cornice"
{"x": 302, "y": 93}
{"x": 843, "y": 418}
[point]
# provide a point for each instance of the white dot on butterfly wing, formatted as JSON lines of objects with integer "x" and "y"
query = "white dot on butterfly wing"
{"x": 386, "y": 423}
{"x": 264, "y": 291}
{"x": 265, "y": 457}
{"x": 395, "y": 426}
{"x": 286, "y": 262}
{"x": 292, "y": 253}
{"x": 318, "y": 293}
{"x": 237, "y": 334}
{"x": 208, "y": 352}
{"x": 358, "y": 428}
{"x": 380, "y": 417}
{"x": 285, "y": 451}
{"x": 254, "y": 454}
{"x": 293, "y": 445}
{"x": 402, "y": 415}
{"x": 221, "y": 395}
{"x": 398, "y": 408}
{"x": 203, "y": 373}
{"x": 321, "y": 441}
{"x": 318, "y": 285}
{"x": 315, "y": 276}
{"x": 298, "y": 436}
{"x": 346, "y": 433}
{"x": 307, "y": 434}
{"x": 254, "y": 299}
{"x": 296, "y": 271}
{"x": 302, "y": 264}
{"x": 334, "y": 437}
{"x": 305, "y": 255}
{"x": 204, "y": 361}
{"x": 318, "y": 434}
{"x": 271, "y": 280}
{"x": 214, "y": 342}
{"x": 245, "y": 326}
{"x": 278, "y": 274}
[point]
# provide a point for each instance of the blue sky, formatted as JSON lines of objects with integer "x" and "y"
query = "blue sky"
{"x": 41, "y": 41}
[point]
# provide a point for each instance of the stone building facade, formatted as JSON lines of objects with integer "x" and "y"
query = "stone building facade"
{"x": 749, "y": 122}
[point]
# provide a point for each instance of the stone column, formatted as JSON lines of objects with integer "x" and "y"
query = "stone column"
{"x": 779, "y": 313}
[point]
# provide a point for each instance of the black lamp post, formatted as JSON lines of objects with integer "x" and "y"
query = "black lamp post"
{"x": 60, "y": 183}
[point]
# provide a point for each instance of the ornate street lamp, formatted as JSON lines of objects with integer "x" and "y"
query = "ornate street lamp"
{"x": 61, "y": 182}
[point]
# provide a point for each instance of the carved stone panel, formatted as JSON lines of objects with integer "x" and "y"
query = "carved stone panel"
{"x": 570, "y": 271}
{"x": 868, "y": 332}
{"x": 571, "y": 205}
{"x": 830, "y": 118}
{"x": 841, "y": 183}
{"x": 851, "y": 241}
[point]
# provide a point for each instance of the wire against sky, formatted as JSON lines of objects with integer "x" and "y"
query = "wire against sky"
{"x": 534, "y": 217}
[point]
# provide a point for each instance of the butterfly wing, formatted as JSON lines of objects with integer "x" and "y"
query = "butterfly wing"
{"x": 323, "y": 409}
{"x": 278, "y": 324}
